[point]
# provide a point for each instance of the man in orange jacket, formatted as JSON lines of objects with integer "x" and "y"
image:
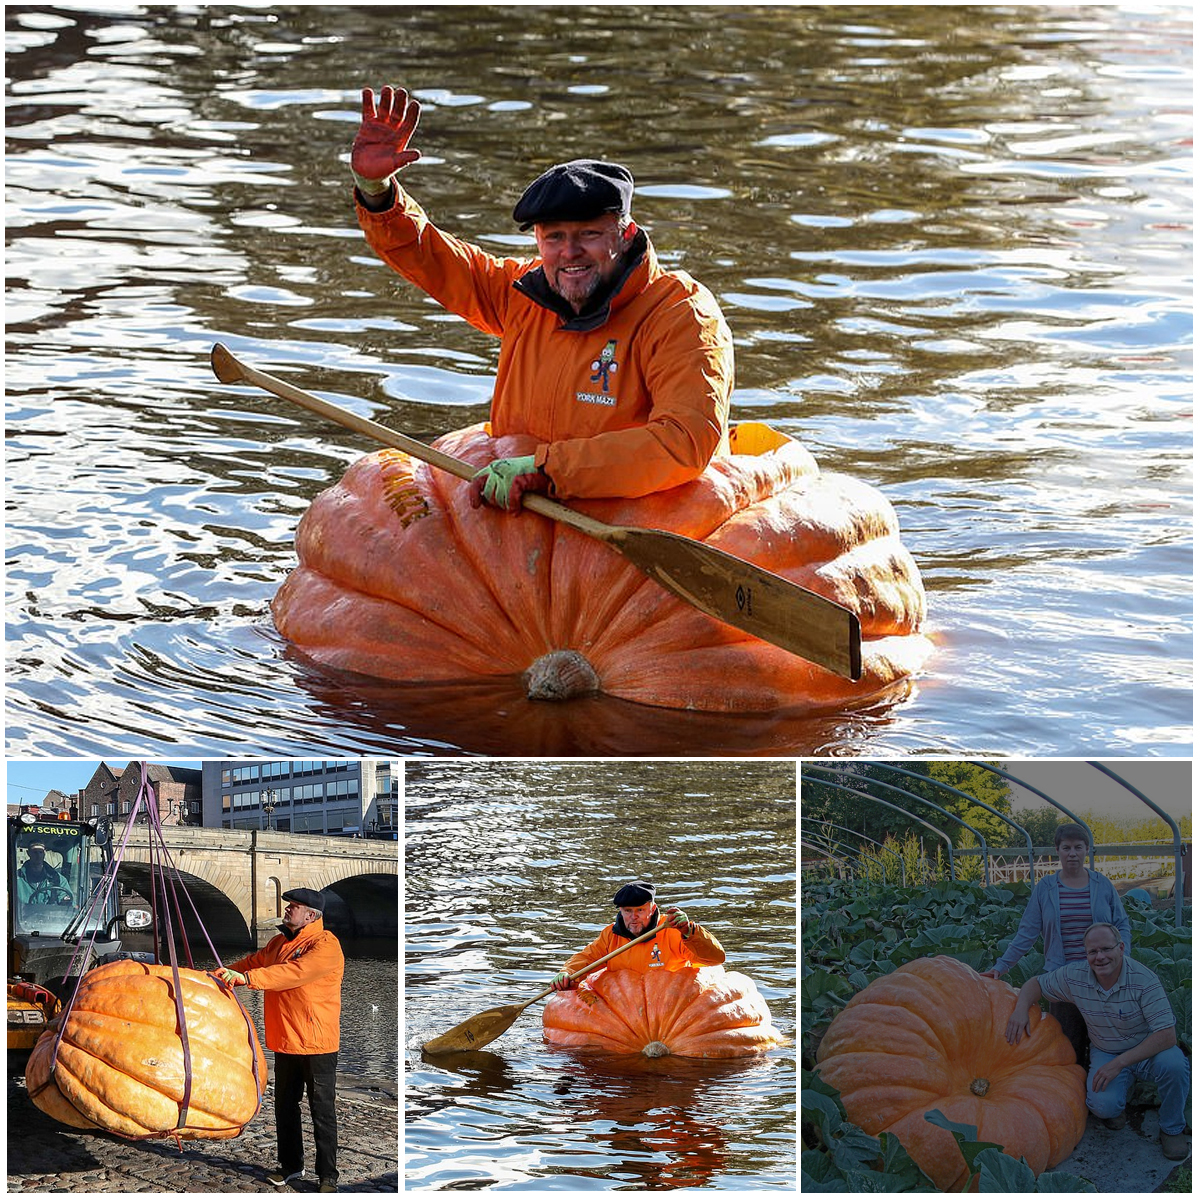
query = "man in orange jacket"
{"x": 682, "y": 943}
{"x": 300, "y": 970}
{"x": 621, "y": 370}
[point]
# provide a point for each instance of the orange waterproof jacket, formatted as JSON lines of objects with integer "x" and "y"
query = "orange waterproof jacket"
{"x": 669, "y": 949}
{"x": 302, "y": 978}
{"x": 630, "y": 400}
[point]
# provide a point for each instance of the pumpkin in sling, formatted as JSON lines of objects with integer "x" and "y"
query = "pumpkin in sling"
{"x": 704, "y": 1012}
{"x": 931, "y": 1035}
{"x": 120, "y": 1063}
{"x": 399, "y": 578}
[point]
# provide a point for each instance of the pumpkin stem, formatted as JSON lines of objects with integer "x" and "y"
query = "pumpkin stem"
{"x": 656, "y": 1050}
{"x": 561, "y": 675}
{"x": 979, "y": 1087}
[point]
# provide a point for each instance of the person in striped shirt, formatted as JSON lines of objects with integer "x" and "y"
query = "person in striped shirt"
{"x": 1131, "y": 1027}
{"x": 1060, "y": 909}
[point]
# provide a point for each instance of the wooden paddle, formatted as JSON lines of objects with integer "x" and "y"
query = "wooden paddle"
{"x": 488, "y": 1026}
{"x": 735, "y": 592}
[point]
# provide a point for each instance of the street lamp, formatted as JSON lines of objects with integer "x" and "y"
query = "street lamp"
{"x": 267, "y": 800}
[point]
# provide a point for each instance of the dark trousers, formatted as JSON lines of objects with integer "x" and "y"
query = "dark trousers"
{"x": 1074, "y": 1026}
{"x": 293, "y": 1073}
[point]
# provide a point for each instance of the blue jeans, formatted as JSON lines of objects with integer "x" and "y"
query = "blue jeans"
{"x": 1168, "y": 1069}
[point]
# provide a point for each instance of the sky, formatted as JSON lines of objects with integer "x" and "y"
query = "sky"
{"x": 1168, "y": 782}
{"x": 28, "y": 781}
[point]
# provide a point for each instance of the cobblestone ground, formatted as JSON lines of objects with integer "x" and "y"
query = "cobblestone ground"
{"x": 44, "y": 1156}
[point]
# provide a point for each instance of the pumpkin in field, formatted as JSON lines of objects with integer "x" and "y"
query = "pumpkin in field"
{"x": 704, "y": 1012}
{"x": 120, "y": 1063}
{"x": 931, "y": 1035}
{"x": 399, "y": 578}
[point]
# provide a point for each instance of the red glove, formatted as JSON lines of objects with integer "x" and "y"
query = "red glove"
{"x": 381, "y": 144}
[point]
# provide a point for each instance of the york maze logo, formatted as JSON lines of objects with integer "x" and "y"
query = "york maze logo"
{"x": 605, "y": 366}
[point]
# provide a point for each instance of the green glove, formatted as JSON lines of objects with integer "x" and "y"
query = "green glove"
{"x": 502, "y": 482}
{"x": 562, "y": 982}
{"x": 678, "y": 919}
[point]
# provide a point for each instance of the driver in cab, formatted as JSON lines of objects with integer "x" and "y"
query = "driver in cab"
{"x": 40, "y": 883}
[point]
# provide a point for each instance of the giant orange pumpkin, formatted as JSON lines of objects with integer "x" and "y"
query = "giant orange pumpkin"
{"x": 400, "y": 579}
{"x": 704, "y": 1012}
{"x": 120, "y": 1063}
{"x": 931, "y": 1035}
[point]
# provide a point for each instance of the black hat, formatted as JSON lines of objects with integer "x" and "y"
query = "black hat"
{"x": 307, "y": 897}
{"x": 575, "y": 191}
{"x": 632, "y": 895}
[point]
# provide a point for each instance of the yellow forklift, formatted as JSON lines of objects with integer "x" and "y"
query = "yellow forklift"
{"x": 54, "y": 867}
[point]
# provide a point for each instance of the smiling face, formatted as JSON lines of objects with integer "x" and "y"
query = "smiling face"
{"x": 1105, "y": 954}
{"x": 579, "y": 256}
{"x": 637, "y": 920}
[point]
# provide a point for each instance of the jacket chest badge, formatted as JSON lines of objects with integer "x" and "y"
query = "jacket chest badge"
{"x": 604, "y": 367}
{"x": 655, "y": 960}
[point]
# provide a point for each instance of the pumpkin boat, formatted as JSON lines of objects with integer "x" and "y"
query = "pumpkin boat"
{"x": 931, "y": 1036}
{"x": 704, "y": 1012}
{"x": 400, "y": 579}
{"x": 120, "y": 1066}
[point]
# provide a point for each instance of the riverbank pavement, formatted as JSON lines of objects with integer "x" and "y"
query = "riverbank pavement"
{"x": 44, "y": 1156}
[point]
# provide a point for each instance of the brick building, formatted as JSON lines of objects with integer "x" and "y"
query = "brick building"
{"x": 110, "y": 794}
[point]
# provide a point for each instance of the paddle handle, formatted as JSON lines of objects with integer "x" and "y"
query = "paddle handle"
{"x": 611, "y": 954}
{"x": 230, "y": 369}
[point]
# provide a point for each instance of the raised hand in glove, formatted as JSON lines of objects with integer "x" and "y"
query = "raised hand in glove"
{"x": 233, "y": 978}
{"x": 381, "y": 144}
{"x": 503, "y": 482}
{"x": 678, "y": 919}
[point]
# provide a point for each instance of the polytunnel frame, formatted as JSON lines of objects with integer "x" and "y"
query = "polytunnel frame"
{"x": 823, "y": 851}
{"x": 1174, "y": 830}
{"x": 841, "y": 787}
{"x": 844, "y": 829}
{"x": 1049, "y": 800}
{"x": 974, "y": 800}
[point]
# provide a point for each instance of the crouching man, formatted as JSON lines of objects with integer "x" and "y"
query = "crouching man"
{"x": 1131, "y": 1028}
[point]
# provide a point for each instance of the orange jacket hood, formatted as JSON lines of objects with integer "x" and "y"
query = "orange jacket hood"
{"x": 302, "y": 981}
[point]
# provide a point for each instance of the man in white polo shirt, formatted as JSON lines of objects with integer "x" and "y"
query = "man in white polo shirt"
{"x": 1131, "y": 1027}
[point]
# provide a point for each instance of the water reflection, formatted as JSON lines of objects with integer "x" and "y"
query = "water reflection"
{"x": 952, "y": 245}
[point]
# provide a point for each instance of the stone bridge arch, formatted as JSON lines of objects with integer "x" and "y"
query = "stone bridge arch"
{"x": 237, "y": 879}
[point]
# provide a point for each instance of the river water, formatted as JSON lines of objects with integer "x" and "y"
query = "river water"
{"x": 509, "y": 869}
{"x": 953, "y": 245}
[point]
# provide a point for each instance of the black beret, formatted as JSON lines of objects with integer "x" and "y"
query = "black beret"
{"x": 307, "y": 897}
{"x": 575, "y": 191}
{"x": 632, "y": 895}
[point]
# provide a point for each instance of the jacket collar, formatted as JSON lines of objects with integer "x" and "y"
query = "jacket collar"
{"x": 310, "y": 931}
{"x": 639, "y": 268}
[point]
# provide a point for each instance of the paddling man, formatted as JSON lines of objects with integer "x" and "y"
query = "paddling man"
{"x": 300, "y": 970}
{"x": 682, "y": 943}
{"x": 622, "y": 371}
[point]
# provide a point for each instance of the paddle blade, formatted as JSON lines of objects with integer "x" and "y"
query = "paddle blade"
{"x": 748, "y": 597}
{"x": 476, "y": 1031}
